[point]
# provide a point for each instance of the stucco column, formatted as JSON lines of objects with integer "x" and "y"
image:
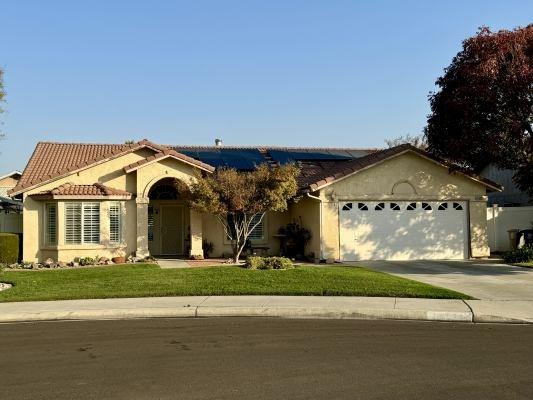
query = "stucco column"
{"x": 478, "y": 228}
{"x": 142, "y": 227}
{"x": 196, "y": 235}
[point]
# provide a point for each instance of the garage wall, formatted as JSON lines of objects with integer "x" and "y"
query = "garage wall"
{"x": 406, "y": 177}
{"x": 502, "y": 219}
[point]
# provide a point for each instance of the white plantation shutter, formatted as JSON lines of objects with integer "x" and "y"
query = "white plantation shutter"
{"x": 82, "y": 223}
{"x": 257, "y": 233}
{"x": 73, "y": 223}
{"x": 51, "y": 224}
{"x": 115, "y": 222}
{"x": 91, "y": 223}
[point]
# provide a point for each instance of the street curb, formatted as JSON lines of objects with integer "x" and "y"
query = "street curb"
{"x": 272, "y": 312}
{"x": 295, "y": 307}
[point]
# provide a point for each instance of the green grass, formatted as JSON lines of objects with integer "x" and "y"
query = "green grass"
{"x": 526, "y": 265}
{"x": 145, "y": 280}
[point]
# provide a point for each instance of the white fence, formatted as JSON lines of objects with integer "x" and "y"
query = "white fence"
{"x": 502, "y": 219}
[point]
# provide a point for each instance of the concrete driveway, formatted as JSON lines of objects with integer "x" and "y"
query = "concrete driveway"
{"x": 482, "y": 279}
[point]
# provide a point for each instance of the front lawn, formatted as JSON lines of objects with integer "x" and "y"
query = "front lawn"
{"x": 526, "y": 265}
{"x": 146, "y": 280}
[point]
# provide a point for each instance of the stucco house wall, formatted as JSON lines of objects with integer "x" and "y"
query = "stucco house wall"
{"x": 110, "y": 173}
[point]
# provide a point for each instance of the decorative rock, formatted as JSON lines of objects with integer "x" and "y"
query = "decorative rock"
{"x": 13, "y": 266}
{"x": 61, "y": 264}
{"x": 49, "y": 263}
{"x": 5, "y": 286}
{"x": 75, "y": 264}
{"x": 103, "y": 261}
{"x": 34, "y": 266}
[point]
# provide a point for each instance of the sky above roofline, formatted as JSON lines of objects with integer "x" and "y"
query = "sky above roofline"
{"x": 298, "y": 73}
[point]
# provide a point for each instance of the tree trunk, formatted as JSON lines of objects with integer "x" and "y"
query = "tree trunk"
{"x": 237, "y": 250}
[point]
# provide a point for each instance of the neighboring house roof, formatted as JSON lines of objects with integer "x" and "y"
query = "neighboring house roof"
{"x": 12, "y": 173}
{"x": 312, "y": 183}
{"x": 7, "y": 204}
{"x": 511, "y": 195}
{"x": 72, "y": 190}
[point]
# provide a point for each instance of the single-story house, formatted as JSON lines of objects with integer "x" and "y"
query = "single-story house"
{"x": 117, "y": 199}
{"x": 10, "y": 209}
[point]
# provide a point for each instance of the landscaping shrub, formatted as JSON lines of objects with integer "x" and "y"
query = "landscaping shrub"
{"x": 280, "y": 263}
{"x": 525, "y": 254}
{"x": 9, "y": 248}
{"x": 255, "y": 262}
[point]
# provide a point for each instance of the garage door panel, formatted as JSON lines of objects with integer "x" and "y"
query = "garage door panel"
{"x": 374, "y": 233}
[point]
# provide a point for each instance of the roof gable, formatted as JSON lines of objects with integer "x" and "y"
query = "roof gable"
{"x": 162, "y": 155}
{"x": 346, "y": 169}
{"x": 51, "y": 160}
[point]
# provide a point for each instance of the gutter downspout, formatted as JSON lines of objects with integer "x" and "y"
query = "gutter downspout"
{"x": 320, "y": 223}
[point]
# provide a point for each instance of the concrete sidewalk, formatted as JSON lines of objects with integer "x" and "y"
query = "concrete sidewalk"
{"x": 272, "y": 306}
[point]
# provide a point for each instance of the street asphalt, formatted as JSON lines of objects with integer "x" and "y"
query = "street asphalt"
{"x": 262, "y": 358}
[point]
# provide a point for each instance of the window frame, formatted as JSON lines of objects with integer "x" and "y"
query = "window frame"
{"x": 82, "y": 225}
{"x": 263, "y": 239}
{"x": 120, "y": 221}
{"x": 47, "y": 241}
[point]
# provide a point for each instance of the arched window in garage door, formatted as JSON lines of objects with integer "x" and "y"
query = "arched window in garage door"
{"x": 457, "y": 206}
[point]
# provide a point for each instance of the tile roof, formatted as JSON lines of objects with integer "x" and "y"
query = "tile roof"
{"x": 313, "y": 182}
{"x": 169, "y": 153}
{"x": 51, "y": 160}
{"x": 70, "y": 189}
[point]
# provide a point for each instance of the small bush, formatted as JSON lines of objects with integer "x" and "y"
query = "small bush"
{"x": 254, "y": 262}
{"x": 9, "y": 248}
{"x": 525, "y": 254}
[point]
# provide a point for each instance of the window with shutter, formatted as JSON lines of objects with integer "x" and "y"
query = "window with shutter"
{"x": 91, "y": 223}
{"x": 257, "y": 233}
{"x": 82, "y": 223}
{"x": 115, "y": 223}
{"x": 51, "y": 224}
{"x": 151, "y": 223}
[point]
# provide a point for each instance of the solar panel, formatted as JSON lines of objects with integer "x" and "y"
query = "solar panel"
{"x": 241, "y": 159}
{"x": 288, "y": 156}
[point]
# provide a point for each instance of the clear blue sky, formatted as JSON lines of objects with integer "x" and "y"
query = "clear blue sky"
{"x": 317, "y": 73}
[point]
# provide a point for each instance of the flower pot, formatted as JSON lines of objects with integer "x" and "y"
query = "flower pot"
{"x": 119, "y": 260}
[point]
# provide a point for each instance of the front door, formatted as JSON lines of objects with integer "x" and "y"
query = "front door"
{"x": 171, "y": 230}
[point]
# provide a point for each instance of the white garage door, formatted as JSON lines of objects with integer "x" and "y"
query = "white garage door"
{"x": 403, "y": 230}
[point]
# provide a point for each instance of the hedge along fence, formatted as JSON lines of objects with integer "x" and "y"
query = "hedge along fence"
{"x": 9, "y": 248}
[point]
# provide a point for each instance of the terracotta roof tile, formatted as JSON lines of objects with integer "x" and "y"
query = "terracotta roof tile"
{"x": 51, "y": 160}
{"x": 169, "y": 153}
{"x": 70, "y": 189}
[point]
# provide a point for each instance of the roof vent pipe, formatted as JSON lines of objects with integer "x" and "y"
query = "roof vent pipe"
{"x": 218, "y": 142}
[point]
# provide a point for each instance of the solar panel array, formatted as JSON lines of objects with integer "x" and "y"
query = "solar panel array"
{"x": 248, "y": 159}
{"x": 288, "y": 156}
{"x": 242, "y": 159}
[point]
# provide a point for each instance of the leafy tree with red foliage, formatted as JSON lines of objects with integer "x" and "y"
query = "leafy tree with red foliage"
{"x": 483, "y": 110}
